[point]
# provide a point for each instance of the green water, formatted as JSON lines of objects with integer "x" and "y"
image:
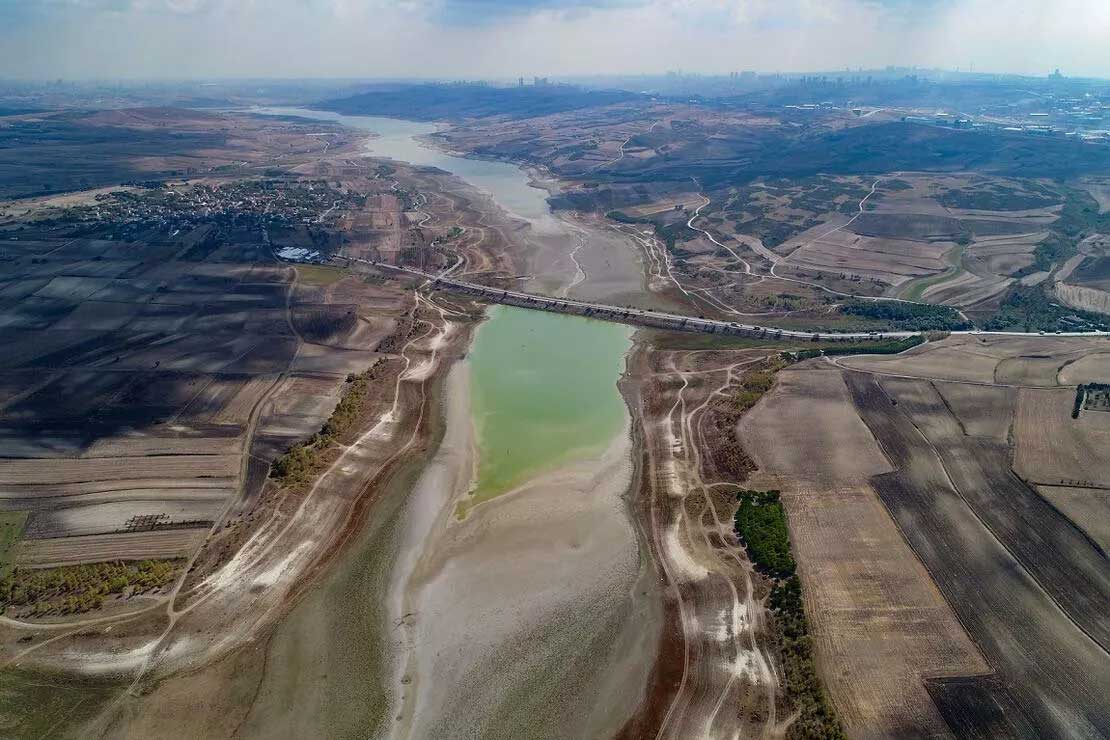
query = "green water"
{"x": 543, "y": 392}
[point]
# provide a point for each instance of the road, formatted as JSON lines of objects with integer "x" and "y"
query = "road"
{"x": 776, "y": 259}
{"x": 659, "y": 319}
{"x": 624, "y": 143}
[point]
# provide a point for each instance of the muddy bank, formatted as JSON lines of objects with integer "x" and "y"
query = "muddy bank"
{"x": 535, "y": 616}
{"x": 715, "y": 674}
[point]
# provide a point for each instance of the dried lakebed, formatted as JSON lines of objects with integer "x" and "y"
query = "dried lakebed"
{"x": 527, "y": 617}
{"x": 535, "y": 614}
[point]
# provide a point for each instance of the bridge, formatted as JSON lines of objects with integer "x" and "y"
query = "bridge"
{"x": 659, "y": 319}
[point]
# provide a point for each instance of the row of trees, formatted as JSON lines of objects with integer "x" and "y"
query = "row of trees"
{"x": 760, "y": 523}
{"x": 303, "y": 460}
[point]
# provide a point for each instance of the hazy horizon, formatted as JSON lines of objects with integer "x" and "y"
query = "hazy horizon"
{"x": 453, "y": 39}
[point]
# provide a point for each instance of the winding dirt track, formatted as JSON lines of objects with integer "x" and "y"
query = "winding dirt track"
{"x": 777, "y": 260}
{"x": 284, "y": 547}
{"x": 727, "y": 685}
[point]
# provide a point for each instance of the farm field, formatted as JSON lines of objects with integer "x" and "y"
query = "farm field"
{"x": 1046, "y": 543}
{"x": 1014, "y": 621}
{"x": 154, "y": 442}
{"x": 133, "y": 431}
{"x": 995, "y": 361}
{"x": 994, "y": 495}
{"x": 144, "y": 391}
{"x": 879, "y": 622}
{"x": 1052, "y": 448}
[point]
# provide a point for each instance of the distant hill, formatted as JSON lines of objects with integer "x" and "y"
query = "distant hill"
{"x": 719, "y": 158}
{"x": 4, "y": 112}
{"x": 436, "y": 102}
{"x": 887, "y": 147}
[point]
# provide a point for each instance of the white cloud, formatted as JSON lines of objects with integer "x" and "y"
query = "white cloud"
{"x": 484, "y": 38}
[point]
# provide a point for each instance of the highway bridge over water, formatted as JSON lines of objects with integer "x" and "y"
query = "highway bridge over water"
{"x": 658, "y": 319}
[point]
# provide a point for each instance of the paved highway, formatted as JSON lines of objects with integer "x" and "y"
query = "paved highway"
{"x": 661, "y": 319}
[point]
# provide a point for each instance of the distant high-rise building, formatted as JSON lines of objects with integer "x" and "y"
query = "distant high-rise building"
{"x": 520, "y": 82}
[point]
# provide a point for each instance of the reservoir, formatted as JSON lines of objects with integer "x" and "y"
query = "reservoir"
{"x": 435, "y": 623}
{"x": 543, "y": 392}
{"x": 543, "y": 386}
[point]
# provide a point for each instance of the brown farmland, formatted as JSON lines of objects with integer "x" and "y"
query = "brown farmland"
{"x": 1019, "y": 570}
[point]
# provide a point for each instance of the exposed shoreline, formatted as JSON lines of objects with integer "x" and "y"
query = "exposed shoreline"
{"x": 550, "y": 577}
{"x": 542, "y": 573}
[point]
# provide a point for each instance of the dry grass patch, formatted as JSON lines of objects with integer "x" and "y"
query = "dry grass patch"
{"x": 1052, "y": 448}
{"x": 165, "y": 544}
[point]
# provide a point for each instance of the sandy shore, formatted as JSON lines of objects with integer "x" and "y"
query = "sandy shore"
{"x": 532, "y": 617}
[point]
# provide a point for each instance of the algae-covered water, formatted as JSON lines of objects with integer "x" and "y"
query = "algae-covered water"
{"x": 543, "y": 392}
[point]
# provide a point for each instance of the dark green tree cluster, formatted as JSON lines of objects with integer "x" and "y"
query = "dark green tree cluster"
{"x": 908, "y": 316}
{"x": 1034, "y": 308}
{"x": 1079, "y": 217}
{"x": 1030, "y": 308}
{"x": 73, "y": 589}
{"x": 624, "y": 218}
{"x": 760, "y": 524}
{"x": 890, "y": 347}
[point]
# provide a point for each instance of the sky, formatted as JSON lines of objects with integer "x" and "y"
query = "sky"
{"x": 489, "y": 39}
